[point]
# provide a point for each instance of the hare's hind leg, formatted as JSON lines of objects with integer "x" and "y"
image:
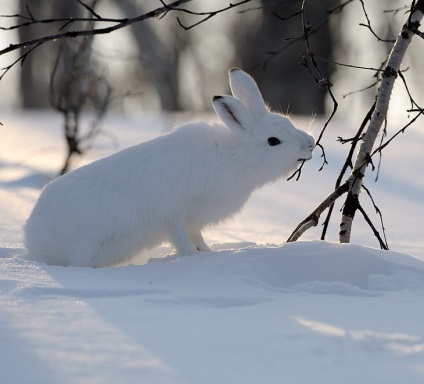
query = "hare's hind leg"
{"x": 199, "y": 242}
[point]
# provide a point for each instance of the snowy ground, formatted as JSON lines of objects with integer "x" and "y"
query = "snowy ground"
{"x": 308, "y": 312}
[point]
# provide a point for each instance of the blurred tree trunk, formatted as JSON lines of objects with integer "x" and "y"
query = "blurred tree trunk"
{"x": 159, "y": 57}
{"x": 33, "y": 90}
{"x": 159, "y": 53}
{"x": 274, "y": 63}
{"x": 35, "y": 73}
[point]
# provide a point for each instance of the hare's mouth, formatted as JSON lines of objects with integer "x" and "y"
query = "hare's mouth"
{"x": 307, "y": 150}
{"x": 305, "y": 158}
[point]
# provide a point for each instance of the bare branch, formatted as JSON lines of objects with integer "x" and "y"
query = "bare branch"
{"x": 324, "y": 157}
{"x": 31, "y": 20}
{"x": 207, "y": 15}
{"x": 380, "y": 154}
{"x": 418, "y": 33}
{"x": 349, "y": 65}
{"x": 383, "y": 245}
{"x": 270, "y": 4}
{"x": 309, "y": 62}
{"x": 347, "y": 164}
{"x": 313, "y": 218}
{"x": 378, "y": 211}
{"x": 120, "y": 23}
{"x": 372, "y": 85}
{"x": 20, "y": 59}
{"x": 339, "y": 8}
{"x": 281, "y": 18}
{"x": 290, "y": 41}
{"x": 368, "y": 25}
{"x": 402, "y": 130}
{"x": 411, "y": 99}
{"x": 91, "y": 10}
{"x": 396, "y": 10}
{"x": 321, "y": 80}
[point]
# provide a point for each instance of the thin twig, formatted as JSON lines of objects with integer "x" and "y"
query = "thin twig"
{"x": 402, "y": 130}
{"x": 368, "y": 25}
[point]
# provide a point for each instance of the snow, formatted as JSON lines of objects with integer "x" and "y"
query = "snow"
{"x": 253, "y": 311}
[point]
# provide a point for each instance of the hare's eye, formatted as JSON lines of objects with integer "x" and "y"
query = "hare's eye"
{"x": 273, "y": 141}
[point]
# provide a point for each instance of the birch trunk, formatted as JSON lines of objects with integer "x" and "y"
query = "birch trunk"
{"x": 382, "y": 104}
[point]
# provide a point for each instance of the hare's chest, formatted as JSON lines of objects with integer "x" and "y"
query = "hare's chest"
{"x": 212, "y": 209}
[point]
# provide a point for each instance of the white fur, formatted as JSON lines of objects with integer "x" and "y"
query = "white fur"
{"x": 166, "y": 189}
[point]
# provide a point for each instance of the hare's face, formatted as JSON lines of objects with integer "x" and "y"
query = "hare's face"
{"x": 273, "y": 142}
{"x": 284, "y": 142}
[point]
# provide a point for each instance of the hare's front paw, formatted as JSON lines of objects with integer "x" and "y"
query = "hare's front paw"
{"x": 197, "y": 239}
{"x": 183, "y": 243}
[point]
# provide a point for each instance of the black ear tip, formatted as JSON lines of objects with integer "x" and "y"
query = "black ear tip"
{"x": 216, "y": 98}
{"x": 234, "y": 69}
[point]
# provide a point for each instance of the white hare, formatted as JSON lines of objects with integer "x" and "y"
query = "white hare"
{"x": 166, "y": 189}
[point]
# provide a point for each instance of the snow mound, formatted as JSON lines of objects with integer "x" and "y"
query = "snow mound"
{"x": 322, "y": 267}
{"x": 316, "y": 267}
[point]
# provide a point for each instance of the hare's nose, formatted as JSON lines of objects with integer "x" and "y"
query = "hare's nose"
{"x": 310, "y": 143}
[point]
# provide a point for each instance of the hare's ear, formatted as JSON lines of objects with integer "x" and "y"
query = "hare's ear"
{"x": 245, "y": 89}
{"x": 232, "y": 112}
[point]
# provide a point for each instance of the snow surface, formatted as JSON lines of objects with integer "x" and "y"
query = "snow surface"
{"x": 306, "y": 312}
